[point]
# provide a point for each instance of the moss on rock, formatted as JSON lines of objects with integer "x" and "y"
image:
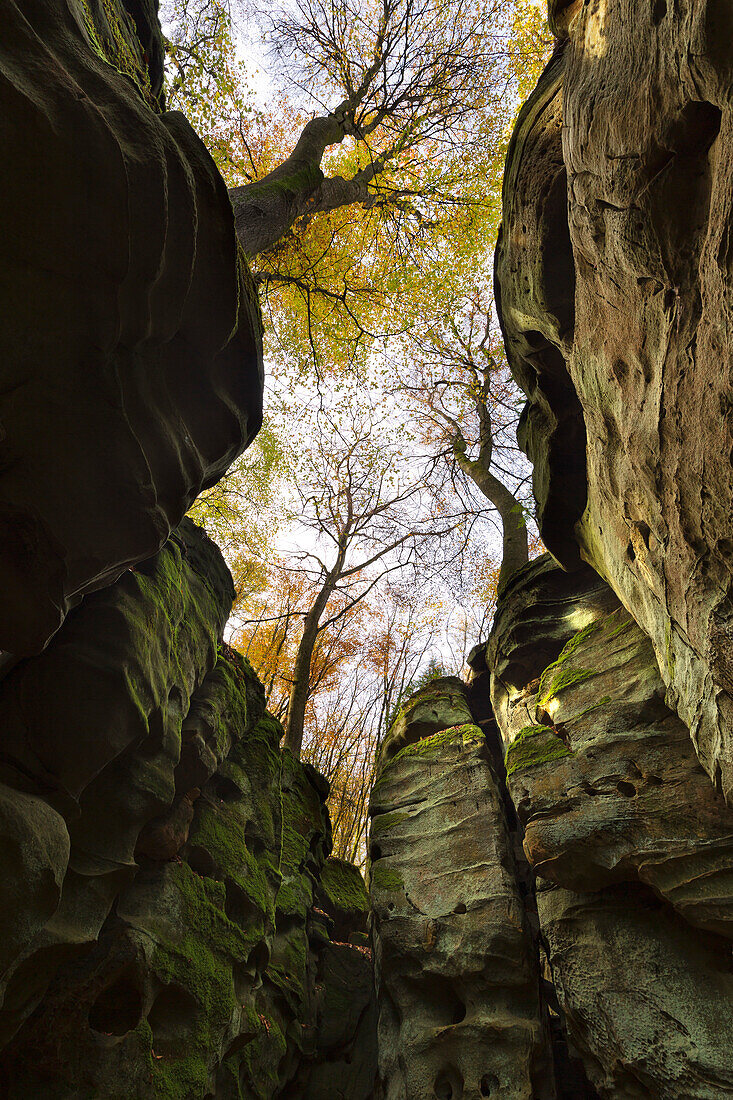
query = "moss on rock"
{"x": 464, "y": 734}
{"x": 533, "y": 746}
{"x": 384, "y": 878}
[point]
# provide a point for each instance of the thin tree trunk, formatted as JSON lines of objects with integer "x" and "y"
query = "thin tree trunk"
{"x": 515, "y": 548}
{"x": 300, "y": 689}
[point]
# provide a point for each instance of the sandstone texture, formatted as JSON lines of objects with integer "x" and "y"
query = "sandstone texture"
{"x": 441, "y": 703}
{"x": 631, "y": 841}
{"x": 457, "y": 979}
{"x": 91, "y": 740}
{"x": 634, "y": 115}
{"x": 162, "y": 934}
{"x": 130, "y": 357}
{"x": 646, "y": 1003}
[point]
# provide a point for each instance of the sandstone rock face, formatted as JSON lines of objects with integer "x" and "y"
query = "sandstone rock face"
{"x": 198, "y": 967}
{"x": 130, "y": 373}
{"x": 456, "y": 973}
{"x": 647, "y": 1003}
{"x": 91, "y": 741}
{"x": 623, "y": 822}
{"x": 441, "y": 703}
{"x": 645, "y": 144}
{"x": 343, "y": 897}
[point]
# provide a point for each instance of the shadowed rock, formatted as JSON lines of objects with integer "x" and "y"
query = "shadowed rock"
{"x": 646, "y": 1003}
{"x": 456, "y": 972}
{"x": 621, "y": 816}
{"x": 130, "y": 358}
{"x": 644, "y": 94}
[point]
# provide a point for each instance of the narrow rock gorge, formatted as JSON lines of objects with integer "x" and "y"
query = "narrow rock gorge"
{"x": 548, "y": 905}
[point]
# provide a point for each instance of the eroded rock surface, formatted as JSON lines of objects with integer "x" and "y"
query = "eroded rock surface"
{"x": 456, "y": 971}
{"x": 647, "y": 1003}
{"x": 644, "y": 95}
{"x": 91, "y": 741}
{"x": 200, "y": 967}
{"x": 439, "y": 704}
{"x": 130, "y": 359}
{"x": 623, "y": 822}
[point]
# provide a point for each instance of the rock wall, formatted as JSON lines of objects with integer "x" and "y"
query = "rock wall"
{"x": 171, "y": 925}
{"x": 632, "y": 843}
{"x": 130, "y": 352}
{"x": 551, "y": 847}
{"x": 162, "y": 862}
{"x": 458, "y": 984}
{"x": 614, "y": 284}
{"x": 610, "y": 678}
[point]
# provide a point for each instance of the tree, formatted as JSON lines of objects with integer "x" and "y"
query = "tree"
{"x": 359, "y": 673}
{"x": 406, "y": 77}
{"x": 369, "y": 185}
{"x": 365, "y": 509}
{"x": 457, "y": 374}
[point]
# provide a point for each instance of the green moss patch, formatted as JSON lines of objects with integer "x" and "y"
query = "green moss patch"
{"x": 200, "y": 961}
{"x": 343, "y": 887}
{"x": 466, "y": 734}
{"x": 384, "y": 822}
{"x": 556, "y": 677}
{"x": 534, "y": 745}
{"x": 384, "y": 878}
{"x": 113, "y": 37}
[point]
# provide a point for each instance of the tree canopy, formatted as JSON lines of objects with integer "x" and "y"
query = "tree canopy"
{"x": 365, "y": 180}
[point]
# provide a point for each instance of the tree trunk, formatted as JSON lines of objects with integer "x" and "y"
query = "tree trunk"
{"x": 265, "y": 211}
{"x": 300, "y": 689}
{"x": 515, "y": 549}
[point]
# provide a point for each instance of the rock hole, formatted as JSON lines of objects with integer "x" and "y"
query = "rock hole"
{"x": 224, "y": 789}
{"x": 253, "y": 841}
{"x": 375, "y": 852}
{"x": 628, "y": 790}
{"x": 448, "y": 1085}
{"x": 443, "y": 1088}
{"x": 259, "y": 957}
{"x": 460, "y": 908}
{"x": 238, "y": 907}
{"x": 659, "y": 10}
{"x": 441, "y": 1004}
{"x": 170, "y": 1019}
{"x": 535, "y": 339}
{"x": 630, "y": 553}
{"x": 654, "y": 781}
{"x": 201, "y": 862}
{"x": 619, "y": 370}
{"x": 696, "y": 128}
{"x": 489, "y": 1084}
{"x": 118, "y": 1008}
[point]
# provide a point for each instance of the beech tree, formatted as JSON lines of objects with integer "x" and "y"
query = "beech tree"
{"x": 368, "y": 186}
{"x": 404, "y": 77}
{"x": 370, "y": 515}
{"x": 458, "y": 376}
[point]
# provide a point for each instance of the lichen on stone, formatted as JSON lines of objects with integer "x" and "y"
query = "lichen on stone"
{"x": 383, "y": 822}
{"x": 384, "y": 878}
{"x": 556, "y": 677}
{"x": 113, "y": 37}
{"x": 344, "y": 887}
